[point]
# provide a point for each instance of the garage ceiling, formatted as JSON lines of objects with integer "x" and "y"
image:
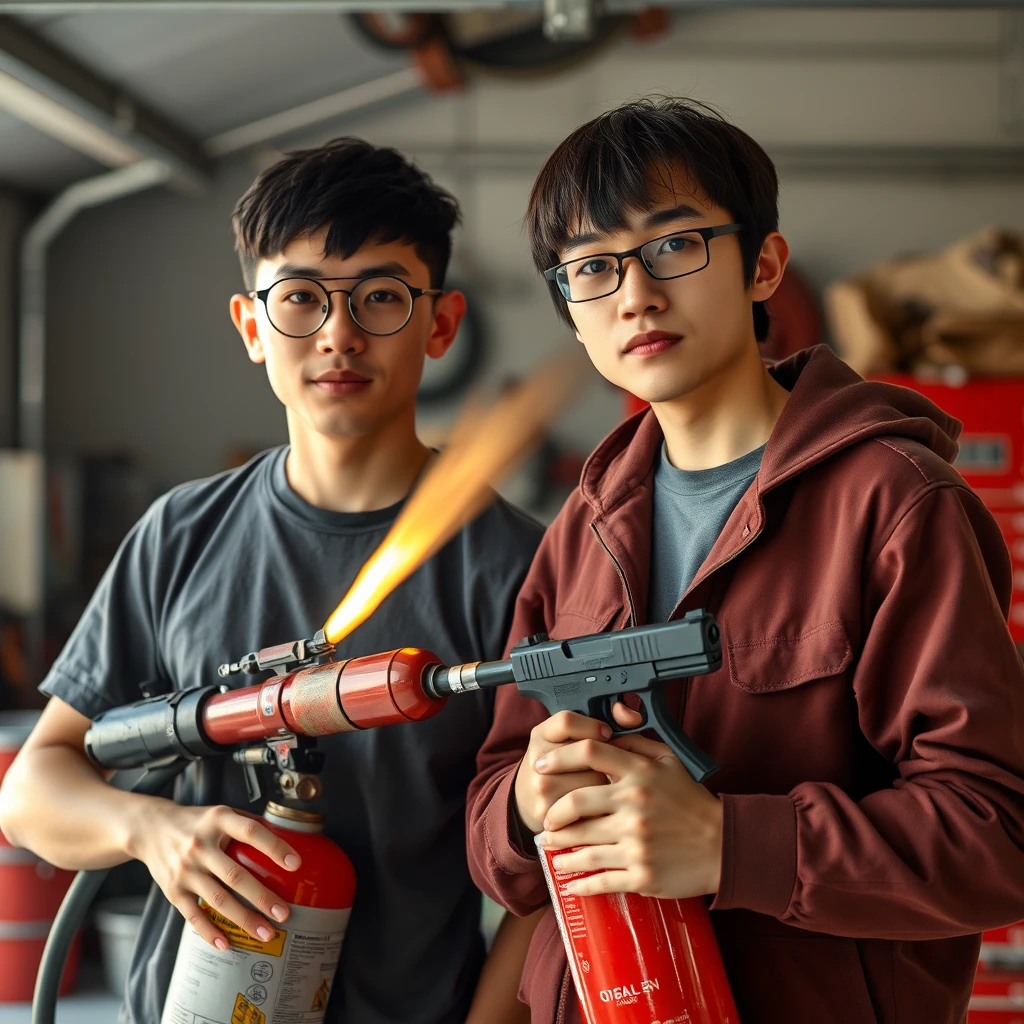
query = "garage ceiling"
{"x": 204, "y": 71}
{"x": 199, "y": 68}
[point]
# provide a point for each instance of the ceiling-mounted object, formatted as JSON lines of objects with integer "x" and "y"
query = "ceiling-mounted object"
{"x": 423, "y": 35}
{"x": 511, "y": 41}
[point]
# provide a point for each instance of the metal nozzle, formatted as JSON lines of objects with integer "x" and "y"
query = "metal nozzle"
{"x": 283, "y": 656}
{"x": 442, "y": 681}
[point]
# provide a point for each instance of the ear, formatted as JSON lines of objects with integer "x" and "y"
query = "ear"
{"x": 771, "y": 265}
{"x": 243, "y": 316}
{"x": 449, "y": 309}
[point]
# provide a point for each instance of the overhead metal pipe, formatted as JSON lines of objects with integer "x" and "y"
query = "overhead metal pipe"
{"x": 443, "y": 6}
{"x": 31, "y": 434}
{"x": 103, "y": 188}
{"x": 55, "y": 92}
{"x": 306, "y": 115}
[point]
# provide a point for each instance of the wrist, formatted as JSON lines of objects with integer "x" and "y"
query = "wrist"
{"x": 138, "y": 824}
{"x": 718, "y": 819}
{"x": 522, "y": 823}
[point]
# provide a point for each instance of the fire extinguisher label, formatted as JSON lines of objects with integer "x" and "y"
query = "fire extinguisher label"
{"x": 639, "y": 960}
{"x": 285, "y": 980}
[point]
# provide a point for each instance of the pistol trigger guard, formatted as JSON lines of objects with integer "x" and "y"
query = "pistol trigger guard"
{"x": 621, "y": 730}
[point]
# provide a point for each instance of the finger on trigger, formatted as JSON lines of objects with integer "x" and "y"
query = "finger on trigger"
{"x": 626, "y": 717}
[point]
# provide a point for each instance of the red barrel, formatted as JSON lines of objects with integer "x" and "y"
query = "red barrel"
{"x": 636, "y": 959}
{"x": 31, "y": 891}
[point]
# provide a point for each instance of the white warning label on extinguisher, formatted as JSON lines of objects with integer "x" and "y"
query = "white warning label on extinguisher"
{"x": 284, "y": 980}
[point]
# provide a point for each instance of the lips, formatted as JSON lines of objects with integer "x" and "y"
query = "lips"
{"x": 651, "y": 343}
{"x": 341, "y": 382}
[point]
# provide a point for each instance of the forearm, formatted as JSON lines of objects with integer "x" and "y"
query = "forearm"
{"x": 497, "y": 993}
{"x": 510, "y": 876}
{"x": 56, "y": 805}
{"x": 937, "y": 857}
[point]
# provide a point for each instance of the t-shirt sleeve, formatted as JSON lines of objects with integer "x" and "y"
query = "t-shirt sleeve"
{"x": 114, "y": 646}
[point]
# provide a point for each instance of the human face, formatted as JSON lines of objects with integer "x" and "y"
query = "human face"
{"x": 341, "y": 381}
{"x": 663, "y": 339}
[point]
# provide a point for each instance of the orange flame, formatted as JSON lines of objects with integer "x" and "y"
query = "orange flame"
{"x": 483, "y": 449}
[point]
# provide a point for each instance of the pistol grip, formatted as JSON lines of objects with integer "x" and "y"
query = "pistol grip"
{"x": 699, "y": 764}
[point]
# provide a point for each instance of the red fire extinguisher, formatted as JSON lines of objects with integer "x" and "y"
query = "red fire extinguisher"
{"x": 289, "y": 976}
{"x": 640, "y": 960}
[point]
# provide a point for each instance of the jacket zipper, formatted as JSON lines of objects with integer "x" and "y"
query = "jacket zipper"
{"x": 563, "y": 998}
{"x": 684, "y": 687}
{"x": 625, "y": 585}
{"x": 725, "y": 561}
{"x": 622, "y": 576}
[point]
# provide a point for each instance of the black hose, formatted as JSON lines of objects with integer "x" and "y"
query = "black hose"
{"x": 76, "y": 905}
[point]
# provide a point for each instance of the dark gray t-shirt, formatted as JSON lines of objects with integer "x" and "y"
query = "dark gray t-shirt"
{"x": 236, "y": 562}
{"x": 690, "y": 509}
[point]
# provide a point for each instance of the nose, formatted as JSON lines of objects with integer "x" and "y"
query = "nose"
{"x": 340, "y": 333}
{"x": 639, "y": 293}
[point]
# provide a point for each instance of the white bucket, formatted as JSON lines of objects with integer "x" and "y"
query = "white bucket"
{"x": 117, "y": 921}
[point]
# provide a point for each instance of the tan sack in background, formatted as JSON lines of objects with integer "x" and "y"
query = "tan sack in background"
{"x": 962, "y": 307}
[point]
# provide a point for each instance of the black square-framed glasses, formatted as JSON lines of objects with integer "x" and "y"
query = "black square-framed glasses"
{"x": 664, "y": 258}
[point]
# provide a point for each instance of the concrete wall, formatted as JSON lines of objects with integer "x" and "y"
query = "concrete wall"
{"x": 142, "y": 354}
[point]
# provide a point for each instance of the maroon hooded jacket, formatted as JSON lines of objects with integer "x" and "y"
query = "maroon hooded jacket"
{"x": 868, "y": 717}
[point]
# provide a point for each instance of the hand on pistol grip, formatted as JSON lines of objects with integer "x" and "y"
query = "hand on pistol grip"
{"x": 654, "y": 714}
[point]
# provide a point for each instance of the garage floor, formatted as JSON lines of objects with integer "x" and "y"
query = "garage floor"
{"x": 90, "y": 1004}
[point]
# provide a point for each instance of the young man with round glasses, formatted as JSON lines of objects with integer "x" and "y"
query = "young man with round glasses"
{"x": 344, "y": 251}
{"x": 868, "y": 819}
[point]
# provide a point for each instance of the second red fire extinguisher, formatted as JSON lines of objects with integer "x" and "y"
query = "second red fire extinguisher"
{"x": 640, "y": 960}
{"x": 289, "y": 976}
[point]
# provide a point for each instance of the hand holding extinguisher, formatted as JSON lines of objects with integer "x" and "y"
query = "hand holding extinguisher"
{"x": 184, "y": 849}
{"x": 630, "y": 844}
{"x": 643, "y": 824}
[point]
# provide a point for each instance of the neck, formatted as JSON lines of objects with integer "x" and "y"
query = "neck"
{"x": 355, "y": 474}
{"x": 730, "y": 414}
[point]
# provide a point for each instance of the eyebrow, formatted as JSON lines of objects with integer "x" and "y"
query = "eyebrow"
{"x": 652, "y": 220}
{"x": 681, "y": 212}
{"x": 391, "y": 269}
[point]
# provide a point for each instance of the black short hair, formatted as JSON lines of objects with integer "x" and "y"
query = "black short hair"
{"x": 359, "y": 192}
{"x": 611, "y": 165}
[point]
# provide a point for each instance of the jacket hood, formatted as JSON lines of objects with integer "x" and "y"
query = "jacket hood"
{"x": 831, "y": 408}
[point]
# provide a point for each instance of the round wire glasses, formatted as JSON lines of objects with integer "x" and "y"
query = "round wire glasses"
{"x": 298, "y": 306}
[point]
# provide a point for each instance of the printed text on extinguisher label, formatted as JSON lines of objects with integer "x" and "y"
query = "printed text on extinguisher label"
{"x": 628, "y": 993}
{"x": 285, "y": 980}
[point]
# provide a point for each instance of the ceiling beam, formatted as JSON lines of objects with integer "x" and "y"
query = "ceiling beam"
{"x": 53, "y": 91}
{"x": 442, "y": 6}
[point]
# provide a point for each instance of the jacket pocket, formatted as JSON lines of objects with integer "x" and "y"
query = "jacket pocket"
{"x": 794, "y": 976}
{"x": 781, "y": 662}
{"x": 572, "y": 622}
